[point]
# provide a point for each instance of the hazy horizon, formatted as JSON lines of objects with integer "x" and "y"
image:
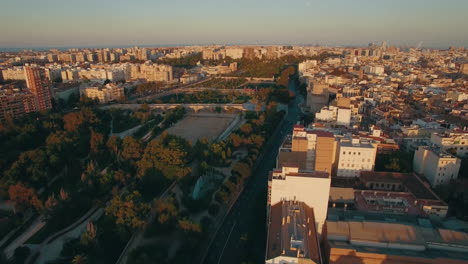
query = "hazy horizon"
{"x": 53, "y": 23}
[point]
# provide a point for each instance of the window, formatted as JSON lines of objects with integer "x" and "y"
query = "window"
{"x": 349, "y": 153}
{"x": 359, "y": 153}
{"x": 354, "y": 153}
{"x": 344, "y": 152}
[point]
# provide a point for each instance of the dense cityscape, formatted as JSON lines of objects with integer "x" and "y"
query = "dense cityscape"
{"x": 242, "y": 151}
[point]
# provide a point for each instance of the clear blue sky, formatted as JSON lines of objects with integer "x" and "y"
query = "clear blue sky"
{"x": 61, "y": 23}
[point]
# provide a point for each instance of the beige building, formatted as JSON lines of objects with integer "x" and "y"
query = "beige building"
{"x": 235, "y": 53}
{"x": 454, "y": 141}
{"x": 151, "y": 72}
{"x": 292, "y": 184}
{"x": 16, "y": 73}
{"x": 371, "y": 242}
{"x": 438, "y": 166}
{"x": 311, "y": 150}
{"x": 92, "y": 74}
{"x": 105, "y": 94}
{"x": 292, "y": 237}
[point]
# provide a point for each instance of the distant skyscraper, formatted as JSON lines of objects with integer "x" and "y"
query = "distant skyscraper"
{"x": 38, "y": 84}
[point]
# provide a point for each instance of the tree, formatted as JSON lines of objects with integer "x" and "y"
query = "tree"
{"x": 246, "y": 129}
{"x": 394, "y": 165}
{"x": 129, "y": 210}
{"x": 24, "y": 197}
{"x": 122, "y": 177}
{"x": 89, "y": 236}
{"x": 113, "y": 144}
{"x": 169, "y": 154}
{"x": 51, "y": 202}
{"x": 242, "y": 169}
{"x": 131, "y": 148}
{"x": 188, "y": 226}
{"x": 165, "y": 210}
{"x": 76, "y": 120}
{"x": 80, "y": 259}
{"x": 96, "y": 141}
{"x": 32, "y": 166}
{"x": 236, "y": 140}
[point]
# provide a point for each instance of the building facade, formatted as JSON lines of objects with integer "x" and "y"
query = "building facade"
{"x": 355, "y": 155}
{"x": 39, "y": 85}
{"x": 438, "y": 166}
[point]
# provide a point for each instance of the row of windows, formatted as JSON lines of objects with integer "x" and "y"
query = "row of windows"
{"x": 352, "y": 166}
{"x": 349, "y": 153}
{"x": 363, "y": 160}
{"x": 443, "y": 174}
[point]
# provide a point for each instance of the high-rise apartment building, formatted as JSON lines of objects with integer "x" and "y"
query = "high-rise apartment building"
{"x": 39, "y": 85}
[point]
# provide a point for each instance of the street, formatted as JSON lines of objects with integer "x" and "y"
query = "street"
{"x": 229, "y": 244}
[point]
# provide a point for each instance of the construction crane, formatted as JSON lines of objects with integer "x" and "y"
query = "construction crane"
{"x": 419, "y": 45}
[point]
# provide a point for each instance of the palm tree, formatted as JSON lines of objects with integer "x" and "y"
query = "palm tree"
{"x": 80, "y": 259}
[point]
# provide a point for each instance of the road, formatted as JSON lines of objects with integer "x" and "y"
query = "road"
{"x": 228, "y": 245}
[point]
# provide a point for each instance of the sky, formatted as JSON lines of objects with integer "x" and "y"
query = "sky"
{"x": 114, "y": 23}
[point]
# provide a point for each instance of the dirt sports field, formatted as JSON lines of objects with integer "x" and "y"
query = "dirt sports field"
{"x": 202, "y": 125}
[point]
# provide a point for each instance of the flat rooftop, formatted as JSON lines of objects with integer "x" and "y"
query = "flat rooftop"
{"x": 409, "y": 180}
{"x": 307, "y": 174}
{"x": 356, "y": 145}
{"x": 292, "y": 233}
{"x": 404, "y": 239}
{"x": 392, "y": 202}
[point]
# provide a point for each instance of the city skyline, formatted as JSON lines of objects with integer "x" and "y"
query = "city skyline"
{"x": 52, "y": 23}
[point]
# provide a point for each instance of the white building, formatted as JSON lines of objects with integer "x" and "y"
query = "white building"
{"x": 438, "y": 166}
{"x": 327, "y": 113}
{"x": 341, "y": 116}
{"x": 306, "y": 65}
{"x": 355, "y": 155}
{"x": 344, "y": 117}
{"x": 454, "y": 141}
{"x": 291, "y": 184}
{"x": 376, "y": 70}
